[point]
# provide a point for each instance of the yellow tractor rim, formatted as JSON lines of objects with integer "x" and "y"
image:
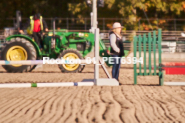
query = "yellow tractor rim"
{"x": 70, "y": 67}
{"x": 16, "y": 53}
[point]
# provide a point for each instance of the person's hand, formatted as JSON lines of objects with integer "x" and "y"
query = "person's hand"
{"x": 46, "y": 29}
{"x": 21, "y": 31}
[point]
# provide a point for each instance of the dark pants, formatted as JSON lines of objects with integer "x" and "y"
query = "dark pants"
{"x": 116, "y": 67}
{"x": 38, "y": 39}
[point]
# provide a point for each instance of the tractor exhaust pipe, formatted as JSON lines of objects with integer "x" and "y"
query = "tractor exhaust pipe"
{"x": 18, "y": 20}
{"x": 54, "y": 28}
{"x": 53, "y": 39}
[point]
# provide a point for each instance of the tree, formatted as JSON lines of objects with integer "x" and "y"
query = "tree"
{"x": 133, "y": 10}
{"x": 130, "y": 10}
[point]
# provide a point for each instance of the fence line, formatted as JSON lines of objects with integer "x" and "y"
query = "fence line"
{"x": 105, "y": 23}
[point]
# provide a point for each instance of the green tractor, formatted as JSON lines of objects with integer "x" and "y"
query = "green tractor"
{"x": 57, "y": 44}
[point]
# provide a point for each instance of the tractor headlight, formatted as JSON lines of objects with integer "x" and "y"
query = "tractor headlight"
{"x": 81, "y": 34}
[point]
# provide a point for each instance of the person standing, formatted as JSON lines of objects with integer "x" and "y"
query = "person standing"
{"x": 117, "y": 49}
{"x": 36, "y": 27}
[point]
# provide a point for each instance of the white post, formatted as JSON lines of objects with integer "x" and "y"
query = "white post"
{"x": 96, "y": 55}
{"x": 95, "y": 30}
{"x": 91, "y": 30}
{"x": 94, "y": 16}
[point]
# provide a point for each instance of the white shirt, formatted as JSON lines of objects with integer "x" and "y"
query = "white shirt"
{"x": 112, "y": 38}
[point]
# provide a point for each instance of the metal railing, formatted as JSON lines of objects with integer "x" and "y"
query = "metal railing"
{"x": 105, "y": 23}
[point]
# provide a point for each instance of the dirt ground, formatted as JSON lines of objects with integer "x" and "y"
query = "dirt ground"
{"x": 145, "y": 103}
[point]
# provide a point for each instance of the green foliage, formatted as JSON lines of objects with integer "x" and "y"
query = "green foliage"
{"x": 134, "y": 10}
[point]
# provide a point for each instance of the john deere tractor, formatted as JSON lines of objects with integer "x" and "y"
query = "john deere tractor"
{"x": 56, "y": 44}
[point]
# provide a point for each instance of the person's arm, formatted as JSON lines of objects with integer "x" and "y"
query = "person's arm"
{"x": 113, "y": 43}
{"x": 45, "y": 25}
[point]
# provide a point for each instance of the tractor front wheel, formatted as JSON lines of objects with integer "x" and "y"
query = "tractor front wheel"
{"x": 71, "y": 68}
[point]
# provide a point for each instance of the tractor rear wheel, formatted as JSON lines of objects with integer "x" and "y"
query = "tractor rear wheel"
{"x": 15, "y": 50}
{"x": 71, "y": 68}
